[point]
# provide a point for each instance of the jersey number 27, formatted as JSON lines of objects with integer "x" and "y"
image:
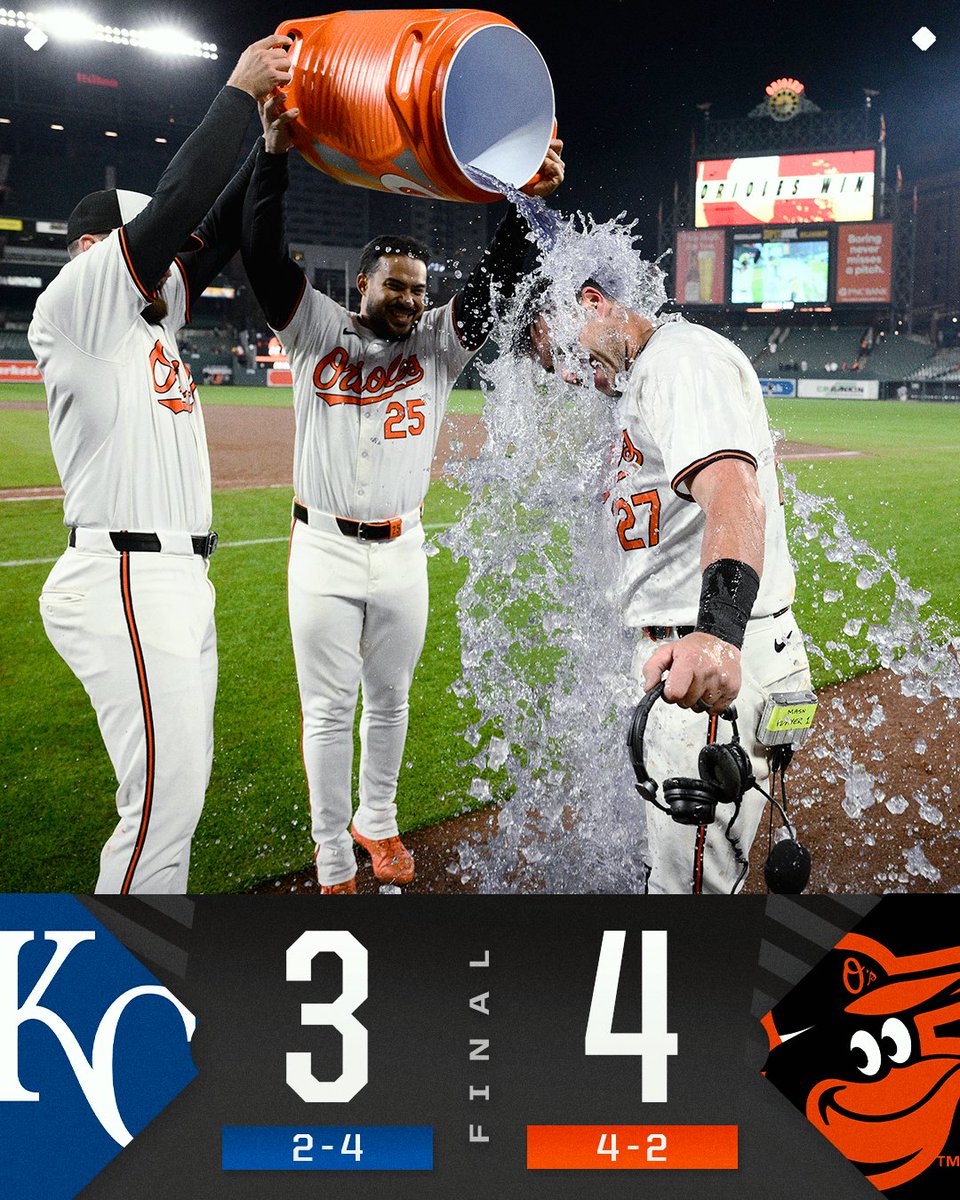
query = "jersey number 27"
{"x": 631, "y": 536}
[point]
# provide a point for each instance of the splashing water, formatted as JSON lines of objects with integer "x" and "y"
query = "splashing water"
{"x": 923, "y": 650}
{"x": 545, "y": 658}
{"x": 890, "y": 630}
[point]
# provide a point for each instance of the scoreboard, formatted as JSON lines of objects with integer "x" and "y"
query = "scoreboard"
{"x": 803, "y": 266}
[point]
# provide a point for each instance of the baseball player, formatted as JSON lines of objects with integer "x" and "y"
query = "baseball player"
{"x": 707, "y": 577}
{"x": 370, "y": 392}
{"x": 129, "y": 606}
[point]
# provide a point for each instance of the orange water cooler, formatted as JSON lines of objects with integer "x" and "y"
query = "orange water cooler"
{"x": 408, "y": 100}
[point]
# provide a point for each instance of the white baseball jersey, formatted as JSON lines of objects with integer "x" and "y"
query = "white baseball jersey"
{"x": 368, "y": 410}
{"x": 125, "y": 421}
{"x": 691, "y": 398}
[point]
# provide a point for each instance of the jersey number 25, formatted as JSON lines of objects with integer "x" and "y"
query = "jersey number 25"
{"x": 397, "y": 413}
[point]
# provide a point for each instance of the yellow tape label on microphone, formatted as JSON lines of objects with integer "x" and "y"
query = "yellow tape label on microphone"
{"x": 790, "y": 717}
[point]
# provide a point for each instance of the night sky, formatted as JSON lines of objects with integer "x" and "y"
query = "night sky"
{"x": 629, "y": 76}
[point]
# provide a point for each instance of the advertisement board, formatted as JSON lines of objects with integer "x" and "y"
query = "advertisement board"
{"x": 838, "y": 389}
{"x": 778, "y": 387}
{"x": 864, "y": 259}
{"x": 778, "y": 188}
{"x": 19, "y": 372}
{"x": 700, "y": 265}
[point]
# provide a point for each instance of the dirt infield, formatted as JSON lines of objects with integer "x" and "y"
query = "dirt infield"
{"x": 874, "y": 854}
{"x": 253, "y": 447}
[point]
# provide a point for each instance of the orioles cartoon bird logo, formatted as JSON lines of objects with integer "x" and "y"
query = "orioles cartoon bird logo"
{"x": 874, "y": 1062}
{"x": 165, "y": 373}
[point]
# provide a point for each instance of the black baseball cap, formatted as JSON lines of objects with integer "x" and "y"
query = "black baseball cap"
{"x": 99, "y": 212}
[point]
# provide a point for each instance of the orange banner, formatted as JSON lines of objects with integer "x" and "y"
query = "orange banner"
{"x": 12, "y": 371}
{"x": 632, "y": 1147}
{"x": 864, "y": 262}
{"x": 700, "y": 263}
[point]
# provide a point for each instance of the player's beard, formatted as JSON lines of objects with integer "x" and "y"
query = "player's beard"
{"x": 376, "y": 317}
{"x": 156, "y": 310}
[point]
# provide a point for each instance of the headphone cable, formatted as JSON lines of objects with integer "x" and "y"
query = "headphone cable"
{"x": 735, "y": 843}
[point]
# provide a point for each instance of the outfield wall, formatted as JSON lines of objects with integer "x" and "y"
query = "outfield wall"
{"x": 209, "y": 370}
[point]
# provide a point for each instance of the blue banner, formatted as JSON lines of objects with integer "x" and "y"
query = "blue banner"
{"x": 327, "y": 1148}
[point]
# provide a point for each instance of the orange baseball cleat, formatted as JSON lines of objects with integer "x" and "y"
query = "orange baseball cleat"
{"x": 392, "y": 862}
{"x": 347, "y": 888}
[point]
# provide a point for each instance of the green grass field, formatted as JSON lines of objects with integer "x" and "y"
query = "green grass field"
{"x": 56, "y": 786}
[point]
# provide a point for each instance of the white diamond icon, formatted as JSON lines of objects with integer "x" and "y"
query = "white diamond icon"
{"x": 36, "y": 39}
{"x": 924, "y": 38}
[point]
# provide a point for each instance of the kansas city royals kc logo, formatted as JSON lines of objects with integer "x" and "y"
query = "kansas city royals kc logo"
{"x": 92, "y": 1047}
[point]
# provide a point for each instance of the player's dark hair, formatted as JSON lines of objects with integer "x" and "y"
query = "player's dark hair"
{"x": 392, "y": 243}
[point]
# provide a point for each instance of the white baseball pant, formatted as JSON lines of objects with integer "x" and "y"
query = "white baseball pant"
{"x": 358, "y": 616}
{"x": 137, "y": 629}
{"x": 672, "y": 743}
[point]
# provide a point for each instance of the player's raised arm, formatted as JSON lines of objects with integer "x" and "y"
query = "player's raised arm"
{"x": 217, "y": 239}
{"x": 198, "y": 172}
{"x": 277, "y": 281}
{"x": 500, "y": 269}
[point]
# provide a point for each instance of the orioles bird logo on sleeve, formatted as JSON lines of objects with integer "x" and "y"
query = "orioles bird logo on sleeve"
{"x": 868, "y": 1048}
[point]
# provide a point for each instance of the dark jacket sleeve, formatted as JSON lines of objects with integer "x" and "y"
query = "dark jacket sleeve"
{"x": 493, "y": 280}
{"x": 187, "y": 189}
{"x": 277, "y": 281}
{"x": 217, "y": 239}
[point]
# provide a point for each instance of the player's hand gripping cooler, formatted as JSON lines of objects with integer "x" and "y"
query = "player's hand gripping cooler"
{"x": 726, "y": 775}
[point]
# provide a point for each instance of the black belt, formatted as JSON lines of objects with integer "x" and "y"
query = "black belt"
{"x": 203, "y": 544}
{"x": 659, "y": 632}
{"x": 366, "y": 531}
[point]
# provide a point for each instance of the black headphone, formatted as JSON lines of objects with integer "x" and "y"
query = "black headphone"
{"x": 725, "y": 771}
{"x": 725, "y": 776}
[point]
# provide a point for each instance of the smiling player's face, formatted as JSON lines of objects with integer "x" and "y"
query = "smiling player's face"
{"x": 393, "y": 295}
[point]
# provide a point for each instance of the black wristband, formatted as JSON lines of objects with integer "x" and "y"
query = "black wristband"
{"x": 727, "y": 596}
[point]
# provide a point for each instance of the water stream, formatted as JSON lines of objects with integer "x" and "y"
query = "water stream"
{"x": 545, "y": 659}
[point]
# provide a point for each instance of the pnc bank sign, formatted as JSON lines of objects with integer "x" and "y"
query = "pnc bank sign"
{"x": 92, "y": 1047}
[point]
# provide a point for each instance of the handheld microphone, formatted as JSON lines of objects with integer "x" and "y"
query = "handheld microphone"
{"x": 787, "y": 869}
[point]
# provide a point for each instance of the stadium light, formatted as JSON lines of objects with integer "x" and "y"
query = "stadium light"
{"x": 74, "y": 25}
{"x": 68, "y": 24}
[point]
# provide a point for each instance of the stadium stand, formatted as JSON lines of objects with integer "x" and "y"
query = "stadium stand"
{"x": 810, "y": 351}
{"x": 14, "y": 345}
{"x": 798, "y": 350}
{"x": 899, "y": 357}
{"x": 945, "y": 365}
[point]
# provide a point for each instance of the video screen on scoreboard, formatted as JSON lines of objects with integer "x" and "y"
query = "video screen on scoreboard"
{"x": 785, "y": 269}
{"x": 836, "y": 185}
